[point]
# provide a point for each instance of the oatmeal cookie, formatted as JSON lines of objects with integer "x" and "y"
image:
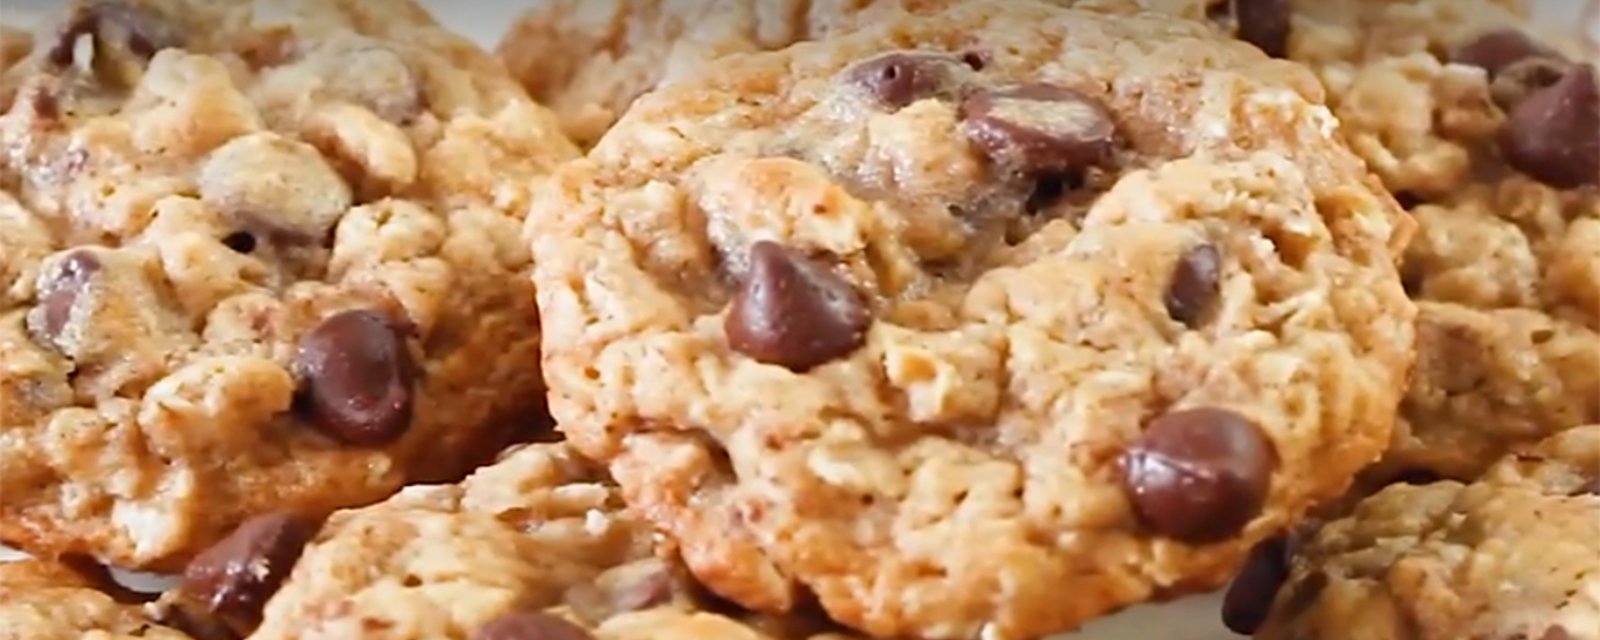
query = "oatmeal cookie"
{"x": 1488, "y": 129}
{"x": 537, "y": 545}
{"x": 50, "y": 601}
{"x": 1508, "y": 556}
{"x": 940, "y": 318}
{"x": 255, "y": 260}
{"x": 589, "y": 59}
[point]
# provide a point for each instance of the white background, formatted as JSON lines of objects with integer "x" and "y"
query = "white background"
{"x": 1189, "y": 619}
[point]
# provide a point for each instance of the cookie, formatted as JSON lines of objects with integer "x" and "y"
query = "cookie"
{"x": 1487, "y": 128}
{"x": 1489, "y": 131}
{"x": 255, "y": 261}
{"x": 944, "y": 317}
{"x": 537, "y": 545}
{"x": 49, "y": 601}
{"x": 1507, "y": 556}
{"x": 589, "y": 59}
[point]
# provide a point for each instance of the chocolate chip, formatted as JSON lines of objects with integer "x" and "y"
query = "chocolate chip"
{"x": 1520, "y": 79}
{"x": 1199, "y": 475}
{"x": 1498, "y": 49}
{"x": 356, "y": 376}
{"x": 1557, "y": 632}
{"x": 1590, "y": 487}
{"x": 234, "y": 578}
{"x": 899, "y": 78}
{"x": 1264, "y": 23}
{"x": 240, "y": 241}
{"x": 138, "y": 29}
{"x": 59, "y": 291}
{"x": 1553, "y": 135}
{"x": 1040, "y": 128}
{"x": 793, "y": 312}
{"x": 1249, "y": 597}
{"x": 530, "y": 626}
{"x": 1195, "y": 282}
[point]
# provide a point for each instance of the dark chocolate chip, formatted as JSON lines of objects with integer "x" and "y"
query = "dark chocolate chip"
{"x": 140, "y": 30}
{"x": 1195, "y": 282}
{"x": 1590, "y": 487}
{"x": 1557, "y": 632}
{"x": 1495, "y": 50}
{"x": 1264, "y": 23}
{"x": 240, "y": 241}
{"x": 793, "y": 312}
{"x": 1522, "y": 78}
{"x": 356, "y": 376}
{"x": 530, "y": 626}
{"x": 1040, "y": 128}
{"x": 59, "y": 292}
{"x": 900, "y": 78}
{"x": 1199, "y": 475}
{"x": 1249, "y": 597}
{"x": 1553, "y": 135}
{"x": 235, "y": 577}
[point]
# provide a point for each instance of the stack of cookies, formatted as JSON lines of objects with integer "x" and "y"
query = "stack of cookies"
{"x": 784, "y": 319}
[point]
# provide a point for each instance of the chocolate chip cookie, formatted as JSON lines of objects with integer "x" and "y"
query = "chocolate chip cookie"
{"x": 537, "y": 545}
{"x": 1489, "y": 131}
{"x": 940, "y": 319}
{"x": 589, "y": 59}
{"x": 49, "y": 601}
{"x": 255, "y": 261}
{"x": 1508, "y": 556}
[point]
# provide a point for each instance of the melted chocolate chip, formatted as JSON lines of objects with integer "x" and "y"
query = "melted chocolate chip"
{"x": 1553, "y": 135}
{"x": 1265, "y": 24}
{"x": 240, "y": 241}
{"x": 530, "y": 626}
{"x": 58, "y": 293}
{"x": 1249, "y": 597}
{"x": 794, "y": 313}
{"x": 1199, "y": 475}
{"x": 1040, "y": 128}
{"x": 235, "y": 577}
{"x": 1590, "y": 487}
{"x": 356, "y": 376}
{"x": 1495, "y": 50}
{"x": 1520, "y": 79}
{"x": 1195, "y": 282}
{"x": 140, "y": 30}
{"x": 900, "y": 78}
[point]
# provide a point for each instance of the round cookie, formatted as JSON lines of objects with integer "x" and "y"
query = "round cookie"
{"x": 537, "y": 545}
{"x": 1488, "y": 129}
{"x": 1508, "y": 556}
{"x": 49, "y": 601}
{"x": 1061, "y": 301}
{"x": 255, "y": 261}
{"x": 590, "y": 59}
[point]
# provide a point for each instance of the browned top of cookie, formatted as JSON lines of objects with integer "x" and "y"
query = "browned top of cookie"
{"x": 941, "y": 317}
{"x": 254, "y": 260}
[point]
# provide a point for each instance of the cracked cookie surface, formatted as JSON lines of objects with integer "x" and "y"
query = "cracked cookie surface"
{"x": 537, "y": 545}
{"x": 1056, "y": 300}
{"x": 255, "y": 257}
{"x": 1507, "y": 556}
{"x": 49, "y": 601}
